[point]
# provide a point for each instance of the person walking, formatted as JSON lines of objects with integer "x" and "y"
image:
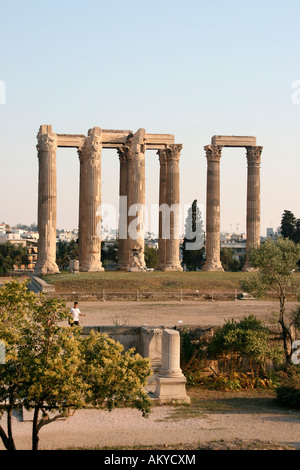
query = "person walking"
{"x": 75, "y": 313}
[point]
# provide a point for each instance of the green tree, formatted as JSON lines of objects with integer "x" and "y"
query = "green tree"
{"x": 16, "y": 303}
{"x": 288, "y": 225}
{"x": 66, "y": 251}
{"x": 228, "y": 261}
{"x": 297, "y": 232}
{"x": 50, "y": 358}
{"x": 109, "y": 254}
{"x": 275, "y": 263}
{"x": 151, "y": 256}
{"x": 10, "y": 254}
{"x": 50, "y": 368}
{"x": 192, "y": 247}
{"x": 114, "y": 377}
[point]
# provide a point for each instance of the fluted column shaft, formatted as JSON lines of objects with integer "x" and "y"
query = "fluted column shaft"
{"x": 172, "y": 262}
{"x": 170, "y": 360}
{"x": 47, "y": 202}
{"x": 213, "y": 155}
{"x": 123, "y": 257}
{"x": 90, "y": 202}
{"x": 253, "y": 200}
{"x": 135, "y": 152}
{"x": 163, "y": 175}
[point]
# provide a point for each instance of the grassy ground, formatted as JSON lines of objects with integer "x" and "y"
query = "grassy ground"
{"x": 153, "y": 281}
{"x": 145, "y": 281}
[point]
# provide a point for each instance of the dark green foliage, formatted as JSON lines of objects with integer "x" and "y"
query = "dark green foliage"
{"x": 66, "y": 251}
{"x": 151, "y": 256}
{"x": 10, "y": 254}
{"x": 290, "y": 226}
{"x": 288, "y": 393}
{"x": 245, "y": 338}
{"x": 230, "y": 263}
{"x": 109, "y": 254}
{"x": 193, "y": 259}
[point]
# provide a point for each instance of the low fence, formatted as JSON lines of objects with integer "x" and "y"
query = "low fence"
{"x": 138, "y": 295}
{"x": 38, "y": 285}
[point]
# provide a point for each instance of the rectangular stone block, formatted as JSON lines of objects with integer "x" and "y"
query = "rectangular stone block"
{"x": 45, "y": 129}
{"x": 170, "y": 390}
{"x": 233, "y": 141}
{"x": 69, "y": 140}
{"x": 151, "y": 345}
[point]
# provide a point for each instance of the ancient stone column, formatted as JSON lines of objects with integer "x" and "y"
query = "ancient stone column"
{"x": 253, "y": 201}
{"x": 170, "y": 381}
{"x": 213, "y": 155}
{"x": 89, "y": 202}
{"x": 47, "y": 202}
{"x": 162, "y": 213}
{"x": 172, "y": 262}
{"x": 123, "y": 258}
{"x": 135, "y": 151}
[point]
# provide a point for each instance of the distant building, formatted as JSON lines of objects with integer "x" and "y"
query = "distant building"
{"x": 273, "y": 234}
{"x": 67, "y": 236}
{"x": 31, "y": 246}
{"x": 238, "y": 249}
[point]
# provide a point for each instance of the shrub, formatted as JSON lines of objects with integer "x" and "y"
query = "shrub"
{"x": 288, "y": 393}
{"x": 245, "y": 338}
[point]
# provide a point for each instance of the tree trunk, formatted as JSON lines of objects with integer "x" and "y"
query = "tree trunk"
{"x": 286, "y": 335}
{"x": 7, "y": 439}
{"x": 35, "y": 437}
{"x": 11, "y": 443}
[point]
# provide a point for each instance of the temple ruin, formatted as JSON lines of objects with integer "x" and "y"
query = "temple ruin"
{"x": 131, "y": 148}
{"x": 213, "y": 155}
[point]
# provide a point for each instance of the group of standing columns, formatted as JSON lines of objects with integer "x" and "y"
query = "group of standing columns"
{"x": 213, "y": 155}
{"x": 132, "y": 203}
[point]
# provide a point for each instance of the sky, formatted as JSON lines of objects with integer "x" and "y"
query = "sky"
{"x": 193, "y": 69}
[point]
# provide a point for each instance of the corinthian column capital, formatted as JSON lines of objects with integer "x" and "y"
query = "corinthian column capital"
{"x": 254, "y": 154}
{"x": 122, "y": 152}
{"x": 136, "y": 144}
{"x": 92, "y": 145}
{"x": 213, "y": 152}
{"x": 47, "y": 140}
{"x": 173, "y": 151}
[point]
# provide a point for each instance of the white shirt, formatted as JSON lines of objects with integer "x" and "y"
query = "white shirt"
{"x": 75, "y": 313}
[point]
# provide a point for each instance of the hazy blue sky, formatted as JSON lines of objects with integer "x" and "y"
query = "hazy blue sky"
{"x": 192, "y": 68}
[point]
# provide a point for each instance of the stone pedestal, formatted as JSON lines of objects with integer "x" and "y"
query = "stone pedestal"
{"x": 253, "y": 201}
{"x": 90, "y": 202}
{"x": 213, "y": 155}
{"x": 170, "y": 381}
{"x": 172, "y": 214}
{"x": 47, "y": 202}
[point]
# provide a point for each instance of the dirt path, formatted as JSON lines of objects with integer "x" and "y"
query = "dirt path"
{"x": 234, "y": 420}
{"x": 202, "y": 313}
